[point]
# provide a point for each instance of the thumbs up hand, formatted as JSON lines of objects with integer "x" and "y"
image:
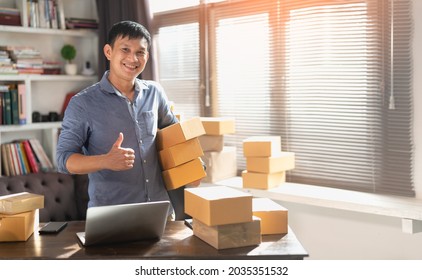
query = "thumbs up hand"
{"x": 119, "y": 158}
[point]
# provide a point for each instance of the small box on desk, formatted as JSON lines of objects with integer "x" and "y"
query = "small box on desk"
{"x": 261, "y": 146}
{"x": 282, "y": 161}
{"x": 180, "y": 153}
{"x": 20, "y": 202}
{"x": 179, "y": 133}
{"x": 183, "y": 174}
{"x": 218, "y": 125}
{"x": 18, "y": 227}
{"x": 262, "y": 181}
{"x": 230, "y": 235}
{"x": 274, "y": 217}
{"x": 220, "y": 165}
{"x": 218, "y": 205}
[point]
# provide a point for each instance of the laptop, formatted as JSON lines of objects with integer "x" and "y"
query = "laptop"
{"x": 124, "y": 223}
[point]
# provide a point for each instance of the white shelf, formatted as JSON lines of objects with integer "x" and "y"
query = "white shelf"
{"x": 28, "y": 127}
{"x": 24, "y": 77}
{"x": 47, "y": 31}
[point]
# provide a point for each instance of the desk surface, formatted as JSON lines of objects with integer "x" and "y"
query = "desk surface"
{"x": 178, "y": 242}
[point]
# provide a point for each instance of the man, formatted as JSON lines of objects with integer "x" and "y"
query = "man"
{"x": 109, "y": 128}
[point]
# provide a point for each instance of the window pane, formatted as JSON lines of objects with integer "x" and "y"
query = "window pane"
{"x": 178, "y": 66}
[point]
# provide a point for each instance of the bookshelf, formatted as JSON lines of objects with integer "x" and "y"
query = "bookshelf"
{"x": 46, "y": 93}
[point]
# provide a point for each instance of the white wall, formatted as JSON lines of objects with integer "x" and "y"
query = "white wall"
{"x": 336, "y": 234}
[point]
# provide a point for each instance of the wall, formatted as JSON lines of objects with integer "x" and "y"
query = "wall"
{"x": 335, "y": 234}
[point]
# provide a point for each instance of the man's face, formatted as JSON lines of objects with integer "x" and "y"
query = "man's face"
{"x": 127, "y": 57}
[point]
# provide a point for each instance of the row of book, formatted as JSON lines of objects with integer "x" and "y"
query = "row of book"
{"x": 25, "y": 60}
{"x": 45, "y": 14}
{"x": 21, "y": 157}
{"x": 13, "y": 104}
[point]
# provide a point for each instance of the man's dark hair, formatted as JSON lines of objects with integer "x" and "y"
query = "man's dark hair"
{"x": 130, "y": 29}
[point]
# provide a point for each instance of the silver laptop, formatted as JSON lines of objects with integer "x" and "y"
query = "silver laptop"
{"x": 124, "y": 223}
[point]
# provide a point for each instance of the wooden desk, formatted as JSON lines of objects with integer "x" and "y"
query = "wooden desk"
{"x": 178, "y": 242}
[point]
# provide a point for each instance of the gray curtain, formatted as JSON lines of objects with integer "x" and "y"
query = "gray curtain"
{"x": 112, "y": 11}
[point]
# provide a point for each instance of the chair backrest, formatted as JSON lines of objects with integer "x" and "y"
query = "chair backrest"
{"x": 65, "y": 196}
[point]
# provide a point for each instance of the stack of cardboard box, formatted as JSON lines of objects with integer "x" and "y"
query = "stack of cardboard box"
{"x": 266, "y": 164}
{"x": 222, "y": 217}
{"x": 220, "y": 160}
{"x": 179, "y": 153}
{"x": 19, "y": 215}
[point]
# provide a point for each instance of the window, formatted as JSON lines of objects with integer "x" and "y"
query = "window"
{"x": 332, "y": 78}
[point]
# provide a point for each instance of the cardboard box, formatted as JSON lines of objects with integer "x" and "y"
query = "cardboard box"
{"x": 211, "y": 143}
{"x": 220, "y": 165}
{"x": 180, "y": 153}
{"x": 183, "y": 174}
{"x": 20, "y": 202}
{"x": 218, "y": 205}
{"x": 261, "y": 146}
{"x": 179, "y": 132}
{"x": 281, "y": 162}
{"x": 18, "y": 227}
{"x": 262, "y": 181}
{"x": 274, "y": 217}
{"x": 229, "y": 236}
{"x": 218, "y": 125}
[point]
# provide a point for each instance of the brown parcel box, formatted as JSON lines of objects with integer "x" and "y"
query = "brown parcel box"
{"x": 262, "y": 181}
{"x": 179, "y": 132}
{"x": 218, "y": 205}
{"x": 20, "y": 202}
{"x": 281, "y": 162}
{"x": 218, "y": 125}
{"x": 274, "y": 217}
{"x": 180, "y": 153}
{"x": 18, "y": 227}
{"x": 211, "y": 143}
{"x": 229, "y": 236}
{"x": 220, "y": 165}
{"x": 183, "y": 174}
{"x": 261, "y": 146}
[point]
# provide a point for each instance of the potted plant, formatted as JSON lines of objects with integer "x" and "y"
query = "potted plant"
{"x": 68, "y": 52}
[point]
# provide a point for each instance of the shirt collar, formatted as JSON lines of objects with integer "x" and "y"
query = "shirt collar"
{"x": 108, "y": 87}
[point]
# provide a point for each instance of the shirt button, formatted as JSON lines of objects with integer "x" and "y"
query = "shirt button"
{"x": 145, "y": 161}
{"x": 140, "y": 141}
{"x": 147, "y": 180}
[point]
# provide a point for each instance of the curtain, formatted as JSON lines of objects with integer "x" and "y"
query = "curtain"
{"x": 112, "y": 11}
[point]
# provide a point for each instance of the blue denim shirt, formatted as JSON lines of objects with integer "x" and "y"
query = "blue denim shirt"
{"x": 91, "y": 125}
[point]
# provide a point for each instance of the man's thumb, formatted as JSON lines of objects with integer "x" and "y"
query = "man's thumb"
{"x": 119, "y": 141}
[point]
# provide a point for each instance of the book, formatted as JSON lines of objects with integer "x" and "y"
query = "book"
{"x": 46, "y": 164}
{"x": 25, "y": 157}
{"x": 14, "y": 105}
{"x": 5, "y": 160}
{"x": 15, "y": 159}
{"x": 22, "y": 165}
{"x": 32, "y": 160}
{"x": 60, "y": 15}
{"x": 22, "y": 103}
{"x": 66, "y": 102}
{"x": 7, "y": 109}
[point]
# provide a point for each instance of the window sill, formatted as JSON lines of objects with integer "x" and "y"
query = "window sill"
{"x": 409, "y": 210}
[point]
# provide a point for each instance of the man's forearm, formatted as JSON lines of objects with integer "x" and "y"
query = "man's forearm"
{"x": 82, "y": 164}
